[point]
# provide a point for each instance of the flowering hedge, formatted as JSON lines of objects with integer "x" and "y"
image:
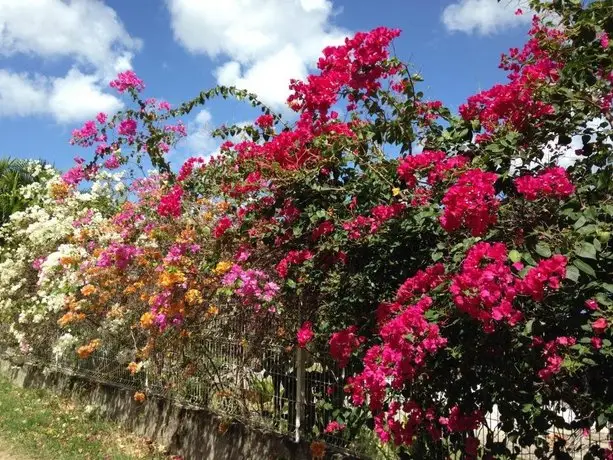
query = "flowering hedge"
{"x": 474, "y": 272}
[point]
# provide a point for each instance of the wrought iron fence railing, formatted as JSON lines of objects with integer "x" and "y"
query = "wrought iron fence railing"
{"x": 275, "y": 390}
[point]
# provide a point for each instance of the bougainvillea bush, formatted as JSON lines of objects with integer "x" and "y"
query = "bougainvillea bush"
{"x": 448, "y": 264}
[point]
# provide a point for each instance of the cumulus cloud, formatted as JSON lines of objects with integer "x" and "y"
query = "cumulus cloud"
{"x": 484, "y": 16}
{"x": 21, "y": 95}
{"x": 87, "y": 34}
{"x": 199, "y": 140}
{"x": 261, "y": 43}
{"x": 77, "y": 96}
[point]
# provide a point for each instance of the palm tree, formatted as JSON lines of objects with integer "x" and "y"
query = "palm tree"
{"x": 13, "y": 175}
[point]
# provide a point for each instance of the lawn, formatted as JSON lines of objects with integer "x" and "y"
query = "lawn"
{"x": 37, "y": 424}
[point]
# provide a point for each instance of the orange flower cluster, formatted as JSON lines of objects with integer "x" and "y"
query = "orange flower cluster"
{"x": 60, "y": 190}
{"x": 70, "y": 317}
{"x": 88, "y": 290}
{"x": 85, "y": 351}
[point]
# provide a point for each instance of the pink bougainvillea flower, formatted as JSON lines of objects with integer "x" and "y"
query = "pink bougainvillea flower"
{"x": 600, "y": 326}
{"x": 127, "y": 80}
{"x": 305, "y": 334}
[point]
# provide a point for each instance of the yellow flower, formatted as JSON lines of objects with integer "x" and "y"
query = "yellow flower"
{"x": 212, "y": 311}
{"x": 169, "y": 279}
{"x": 146, "y": 320}
{"x": 59, "y": 190}
{"x": 395, "y": 191}
{"x": 193, "y": 297}
{"x": 139, "y": 397}
{"x": 222, "y": 267}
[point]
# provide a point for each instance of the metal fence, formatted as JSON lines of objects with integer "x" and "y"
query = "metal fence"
{"x": 276, "y": 390}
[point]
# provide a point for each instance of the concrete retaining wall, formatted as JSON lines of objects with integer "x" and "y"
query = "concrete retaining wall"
{"x": 191, "y": 433}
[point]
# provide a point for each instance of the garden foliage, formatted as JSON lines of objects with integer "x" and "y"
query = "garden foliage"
{"x": 449, "y": 263}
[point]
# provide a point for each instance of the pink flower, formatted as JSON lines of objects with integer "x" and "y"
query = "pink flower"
{"x": 334, "y": 427}
{"x": 112, "y": 162}
{"x": 127, "y": 127}
{"x": 265, "y": 121}
{"x": 127, "y": 80}
{"x": 85, "y": 136}
{"x": 422, "y": 282}
{"x": 74, "y": 175}
{"x": 242, "y": 254}
{"x": 471, "y": 203}
{"x": 343, "y": 344}
{"x": 435, "y": 164}
{"x": 547, "y": 273}
{"x": 322, "y": 229}
{"x": 38, "y": 263}
{"x": 596, "y": 342}
{"x": 292, "y": 258}
{"x": 188, "y": 167}
{"x": 486, "y": 287}
{"x": 305, "y": 334}
{"x": 101, "y": 117}
{"x": 518, "y": 12}
{"x": 358, "y": 64}
{"x": 600, "y": 326}
{"x": 591, "y": 304}
{"x": 170, "y": 204}
{"x": 551, "y": 182}
{"x": 604, "y": 40}
{"x": 222, "y": 226}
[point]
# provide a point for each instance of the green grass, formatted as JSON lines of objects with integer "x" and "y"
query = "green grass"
{"x": 37, "y": 424}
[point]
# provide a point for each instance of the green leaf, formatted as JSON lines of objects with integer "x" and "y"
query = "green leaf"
{"x": 528, "y": 258}
{"x": 543, "y": 250}
{"x": 580, "y": 222}
{"x": 601, "y": 421}
{"x": 572, "y": 273}
{"x": 586, "y": 250}
{"x": 585, "y": 268}
{"x": 514, "y": 255}
{"x": 494, "y": 148}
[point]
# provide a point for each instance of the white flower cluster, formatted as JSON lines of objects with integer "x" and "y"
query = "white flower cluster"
{"x": 35, "y": 278}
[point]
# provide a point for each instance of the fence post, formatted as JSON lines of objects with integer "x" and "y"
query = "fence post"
{"x": 300, "y": 397}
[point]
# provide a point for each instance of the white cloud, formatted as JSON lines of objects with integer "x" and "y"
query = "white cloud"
{"x": 77, "y": 96}
{"x": 262, "y": 43}
{"x": 86, "y": 34}
{"x": 199, "y": 140}
{"x": 69, "y": 99}
{"x": 20, "y": 95}
{"x": 484, "y": 16}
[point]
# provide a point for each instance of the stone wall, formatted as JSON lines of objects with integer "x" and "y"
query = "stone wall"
{"x": 192, "y": 433}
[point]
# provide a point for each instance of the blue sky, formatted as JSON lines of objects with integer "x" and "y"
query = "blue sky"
{"x": 57, "y": 56}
